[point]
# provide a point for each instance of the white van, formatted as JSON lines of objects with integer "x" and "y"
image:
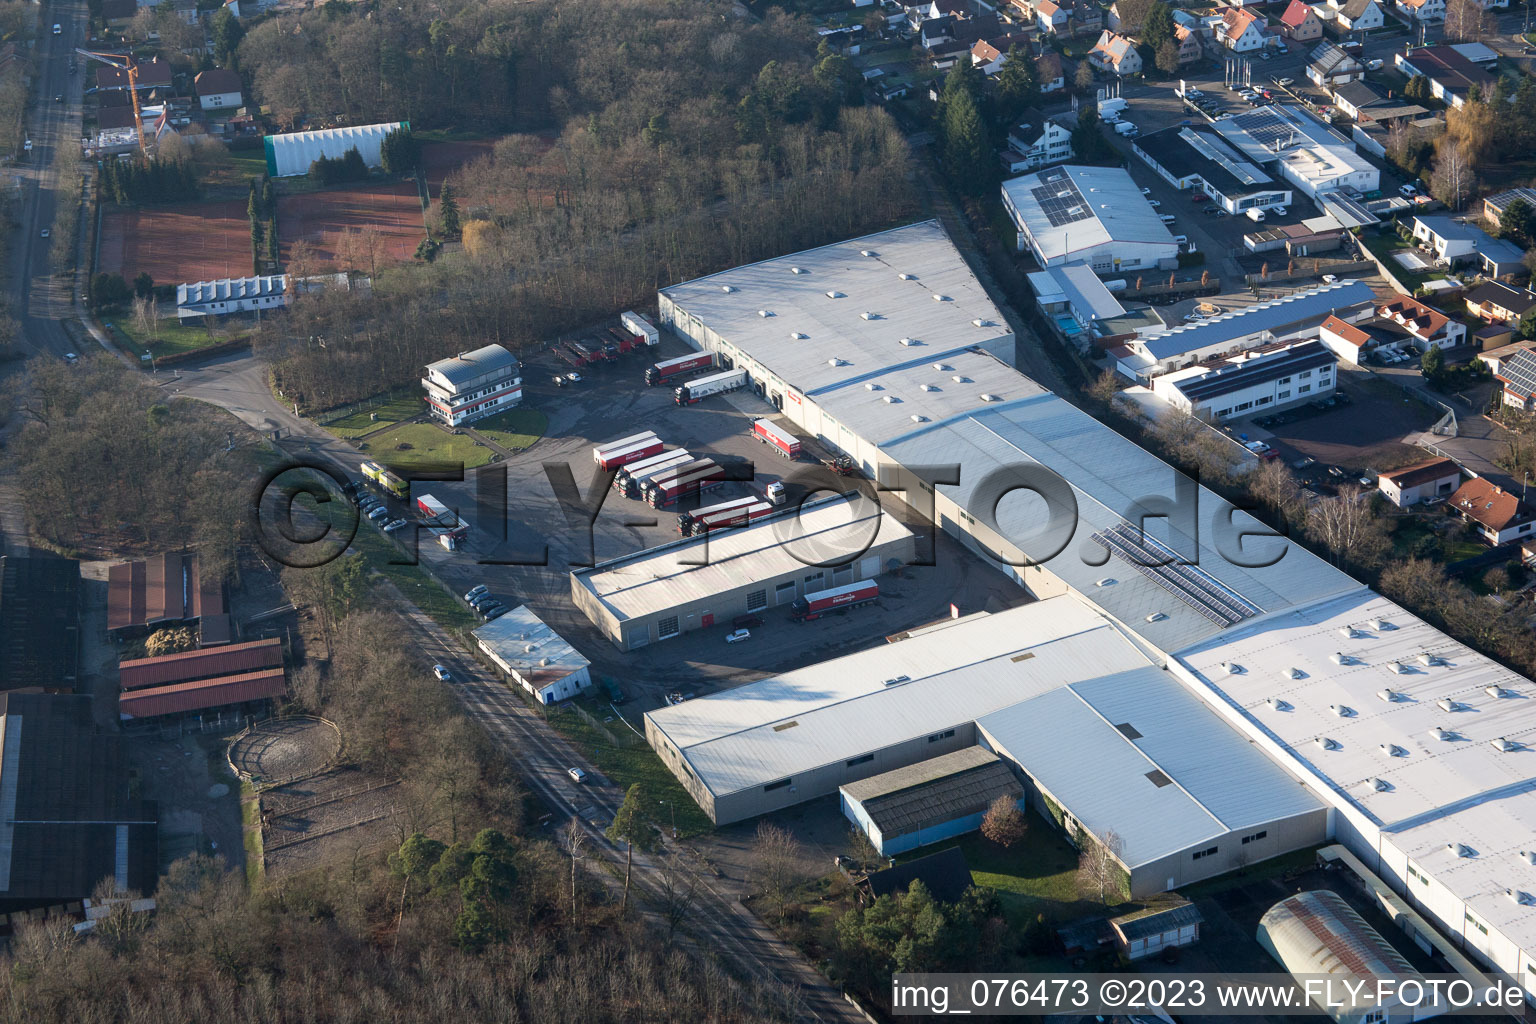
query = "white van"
{"x": 1181, "y": 239}
{"x": 1255, "y": 214}
{"x": 1166, "y": 218}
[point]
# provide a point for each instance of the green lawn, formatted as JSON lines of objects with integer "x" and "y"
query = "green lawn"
{"x": 426, "y": 442}
{"x": 236, "y": 172}
{"x": 1039, "y": 874}
{"x": 375, "y": 414}
{"x": 515, "y": 429}
{"x": 174, "y": 336}
{"x": 629, "y": 765}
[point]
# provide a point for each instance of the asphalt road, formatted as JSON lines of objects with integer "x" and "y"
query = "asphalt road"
{"x": 43, "y": 301}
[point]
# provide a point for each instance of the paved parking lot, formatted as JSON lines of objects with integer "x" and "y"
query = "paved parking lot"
{"x": 612, "y": 402}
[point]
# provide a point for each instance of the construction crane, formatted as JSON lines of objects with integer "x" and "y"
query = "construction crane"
{"x": 124, "y": 63}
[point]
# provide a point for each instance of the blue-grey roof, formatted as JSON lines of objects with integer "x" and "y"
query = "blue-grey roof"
{"x": 1452, "y": 229}
{"x": 1316, "y": 304}
{"x": 1235, "y": 377}
{"x": 1085, "y": 291}
{"x": 1501, "y": 250}
{"x": 468, "y": 366}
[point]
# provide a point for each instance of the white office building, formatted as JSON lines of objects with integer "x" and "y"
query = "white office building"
{"x": 1300, "y": 148}
{"x": 1262, "y": 380}
{"x": 473, "y": 385}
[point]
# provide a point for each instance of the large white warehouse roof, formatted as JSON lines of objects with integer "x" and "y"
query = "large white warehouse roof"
{"x": 825, "y": 318}
{"x": 292, "y": 153}
{"x": 1137, "y": 753}
{"x": 1069, "y": 210}
{"x": 836, "y": 710}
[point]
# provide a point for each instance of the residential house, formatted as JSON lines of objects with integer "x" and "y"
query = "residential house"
{"x": 1422, "y": 481}
{"x": 1190, "y": 49}
{"x": 1422, "y": 325}
{"x": 1087, "y": 17}
{"x": 1260, "y": 380}
{"x": 1494, "y": 357}
{"x": 1518, "y": 375}
{"x": 186, "y": 10}
{"x": 1345, "y": 340}
{"x": 1455, "y": 241}
{"x": 152, "y": 74}
{"x": 1329, "y": 65}
{"x": 1495, "y": 205}
{"x": 990, "y": 54}
{"x": 1451, "y": 73}
{"x": 218, "y": 89}
{"x": 1054, "y": 19}
{"x": 1116, "y": 54}
{"x": 1423, "y": 10}
{"x": 1038, "y": 142}
{"x": 1498, "y": 516}
{"x": 118, "y": 13}
{"x": 1353, "y": 97}
{"x": 1020, "y": 12}
{"x": 1241, "y": 31}
{"x": 1050, "y": 74}
{"x": 1359, "y": 15}
{"x": 1301, "y": 23}
{"x": 1499, "y": 303}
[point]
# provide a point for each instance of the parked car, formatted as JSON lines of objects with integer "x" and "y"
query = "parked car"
{"x": 441, "y": 673}
{"x": 1154, "y": 203}
{"x": 1374, "y": 65}
{"x": 1407, "y": 190}
{"x": 491, "y": 610}
{"x": 378, "y": 513}
{"x": 476, "y": 591}
{"x": 1282, "y": 82}
{"x": 1200, "y": 197}
{"x": 57, "y": 29}
{"x": 1280, "y": 211}
{"x": 496, "y": 613}
{"x": 481, "y": 600}
{"x": 1146, "y": 191}
{"x": 46, "y": 233}
{"x": 1192, "y": 93}
{"x": 574, "y": 378}
{"x": 398, "y": 524}
{"x": 738, "y": 636}
{"x": 577, "y": 775}
{"x": 1306, "y": 463}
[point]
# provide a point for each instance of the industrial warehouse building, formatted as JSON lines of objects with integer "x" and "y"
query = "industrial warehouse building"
{"x": 292, "y": 153}
{"x": 1092, "y": 215}
{"x": 534, "y": 656}
{"x": 1418, "y": 748}
{"x": 705, "y": 581}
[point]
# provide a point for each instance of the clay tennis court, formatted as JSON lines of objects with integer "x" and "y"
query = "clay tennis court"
{"x": 207, "y": 241}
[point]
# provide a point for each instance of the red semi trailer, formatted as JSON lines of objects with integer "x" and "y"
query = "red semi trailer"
{"x": 601, "y": 451}
{"x": 696, "y": 478}
{"x": 781, "y": 440}
{"x": 669, "y": 368}
{"x": 730, "y": 517}
{"x": 685, "y": 520}
{"x": 814, "y": 606}
{"x": 616, "y": 457}
{"x": 631, "y": 479}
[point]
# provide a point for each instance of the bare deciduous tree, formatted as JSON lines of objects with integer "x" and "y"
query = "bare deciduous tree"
{"x": 1099, "y": 873}
{"x": 1347, "y": 526}
{"x": 777, "y": 865}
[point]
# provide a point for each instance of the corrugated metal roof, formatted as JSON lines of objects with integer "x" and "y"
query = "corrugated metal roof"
{"x": 230, "y": 289}
{"x": 1075, "y": 742}
{"x": 1313, "y": 304}
{"x": 697, "y": 567}
{"x": 914, "y": 282}
{"x": 467, "y": 366}
{"x": 1157, "y": 918}
{"x": 936, "y": 801}
{"x": 179, "y": 698}
{"x": 867, "y": 701}
{"x": 1317, "y": 933}
{"x": 39, "y": 621}
{"x": 164, "y": 587}
{"x": 201, "y": 664}
{"x": 1109, "y": 477}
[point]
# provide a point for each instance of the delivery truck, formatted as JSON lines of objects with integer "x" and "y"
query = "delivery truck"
{"x": 777, "y": 438}
{"x": 814, "y": 606}
{"x": 440, "y": 520}
{"x": 714, "y": 384}
{"x": 641, "y": 327}
{"x": 669, "y": 369}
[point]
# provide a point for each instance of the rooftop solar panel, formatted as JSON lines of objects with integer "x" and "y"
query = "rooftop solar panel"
{"x": 1520, "y": 372}
{"x": 1190, "y": 584}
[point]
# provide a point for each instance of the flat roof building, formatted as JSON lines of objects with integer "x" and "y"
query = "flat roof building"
{"x": 1092, "y": 215}
{"x": 534, "y": 656}
{"x": 1302, "y": 148}
{"x": 39, "y": 622}
{"x": 705, "y": 581}
{"x": 1197, "y": 157}
{"x": 1267, "y": 379}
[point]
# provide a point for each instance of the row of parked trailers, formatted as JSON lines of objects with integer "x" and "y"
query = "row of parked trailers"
{"x": 659, "y": 477}
{"x": 736, "y": 512}
{"x": 634, "y": 333}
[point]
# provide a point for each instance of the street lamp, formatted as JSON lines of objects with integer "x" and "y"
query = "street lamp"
{"x": 673, "y": 808}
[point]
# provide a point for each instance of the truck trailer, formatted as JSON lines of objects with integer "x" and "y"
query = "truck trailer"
{"x": 714, "y": 384}
{"x": 775, "y": 436}
{"x": 439, "y": 519}
{"x": 740, "y": 516}
{"x": 385, "y": 480}
{"x": 630, "y": 477}
{"x": 640, "y": 326}
{"x": 667, "y": 369}
{"x": 602, "y": 451}
{"x": 703, "y": 475}
{"x": 814, "y": 606}
{"x": 685, "y": 520}
{"x": 616, "y": 457}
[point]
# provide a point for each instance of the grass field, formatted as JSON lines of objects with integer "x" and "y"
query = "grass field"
{"x": 427, "y": 442}
{"x": 629, "y": 765}
{"x": 1039, "y": 874}
{"x": 388, "y": 409}
{"x": 175, "y": 336}
{"x": 236, "y": 172}
{"x": 515, "y": 429}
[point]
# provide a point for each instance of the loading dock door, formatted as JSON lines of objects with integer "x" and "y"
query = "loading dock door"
{"x": 869, "y": 567}
{"x": 784, "y": 593}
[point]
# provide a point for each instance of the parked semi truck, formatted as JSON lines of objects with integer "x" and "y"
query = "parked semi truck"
{"x": 631, "y": 478}
{"x": 776, "y": 437}
{"x": 668, "y": 489}
{"x": 714, "y": 384}
{"x": 686, "y": 520}
{"x": 441, "y": 521}
{"x": 385, "y": 481}
{"x": 668, "y": 369}
{"x": 640, "y": 326}
{"x": 814, "y": 606}
{"x": 730, "y": 517}
{"x": 601, "y": 452}
{"x": 623, "y": 455}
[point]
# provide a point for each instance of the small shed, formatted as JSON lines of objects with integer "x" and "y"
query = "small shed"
{"x": 1166, "y": 924}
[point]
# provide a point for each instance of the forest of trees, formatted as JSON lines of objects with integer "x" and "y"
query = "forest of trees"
{"x": 690, "y": 140}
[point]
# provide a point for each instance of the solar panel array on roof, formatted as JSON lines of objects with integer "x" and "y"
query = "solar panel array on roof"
{"x": 1520, "y": 372}
{"x": 1059, "y": 199}
{"x": 1266, "y": 128}
{"x": 1190, "y": 584}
